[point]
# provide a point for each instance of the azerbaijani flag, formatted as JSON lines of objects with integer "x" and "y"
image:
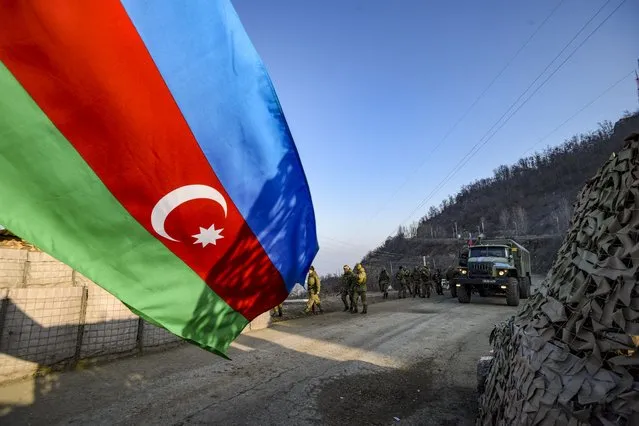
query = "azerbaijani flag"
{"x": 142, "y": 143}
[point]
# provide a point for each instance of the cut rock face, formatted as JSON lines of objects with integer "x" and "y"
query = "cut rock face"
{"x": 569, "y": 355}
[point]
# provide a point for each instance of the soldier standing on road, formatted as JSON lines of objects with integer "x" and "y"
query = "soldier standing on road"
{"x": 384, "y": 280}
{"x": 451, "y": 274}
{"x": 415, "y": 279}
{"x": 425, "y": 277}
{"x": 401, "y": 278}
{"x": 313, "y": 291}
{"x": 347, "y": 281}
{"x": 359, "y": 289}
{"x": 438, "y": 282}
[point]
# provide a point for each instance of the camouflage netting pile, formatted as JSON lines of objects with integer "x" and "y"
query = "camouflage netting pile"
{"x": 568, "y": 357}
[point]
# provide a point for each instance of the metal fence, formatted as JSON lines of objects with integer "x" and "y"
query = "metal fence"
{"x": 53, "y": 317}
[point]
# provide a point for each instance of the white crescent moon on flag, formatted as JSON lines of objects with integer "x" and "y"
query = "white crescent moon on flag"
{"x": 178, "y": 197}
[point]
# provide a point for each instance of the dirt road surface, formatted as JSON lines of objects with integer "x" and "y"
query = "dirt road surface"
{"x": 410, "y": 361}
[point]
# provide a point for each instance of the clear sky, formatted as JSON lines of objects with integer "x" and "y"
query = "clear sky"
{"x": 370, "y": 88}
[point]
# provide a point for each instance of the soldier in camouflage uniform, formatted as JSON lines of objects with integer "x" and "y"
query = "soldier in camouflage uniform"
{"x": 401, "y": 278}
{"x": 437, "y": 277}
{"x": 313, "y": 292}
{"x": 347, "y": 284}
{"x": 451, "y": 274}
{"x": 425, "y": 277}
{"x": 384, "y": 280}
{"x": 359, "y": 289}
{"x": 416, "y": 282}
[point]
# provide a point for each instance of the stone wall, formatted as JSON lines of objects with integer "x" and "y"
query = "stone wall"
{"x": 52, "y": 317}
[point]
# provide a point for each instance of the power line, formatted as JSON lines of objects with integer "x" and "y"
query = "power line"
{"x": 602, "y": 94}
{"x": 545, "y": 81}
{"x": 475, "y": 148}
{"x": 471, "y": 152}
{"x": 470, "y": 108}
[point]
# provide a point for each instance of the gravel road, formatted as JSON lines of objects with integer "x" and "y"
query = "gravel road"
{"x": 411, "y": 361}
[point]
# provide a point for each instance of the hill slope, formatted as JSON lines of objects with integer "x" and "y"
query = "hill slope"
{"x": 530, "y": 200}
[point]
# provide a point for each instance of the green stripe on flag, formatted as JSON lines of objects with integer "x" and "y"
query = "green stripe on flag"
{"x": 52, "y": 198}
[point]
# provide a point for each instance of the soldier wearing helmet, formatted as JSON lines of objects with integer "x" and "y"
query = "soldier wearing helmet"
{"x": 426, "y": 280}
{"x": 347, "y": 282}
{"x": 313, "y": 285}
{"x": 384, "y": 280}
{"x": 359, "y": 289}
{"x": 401, "y": 278}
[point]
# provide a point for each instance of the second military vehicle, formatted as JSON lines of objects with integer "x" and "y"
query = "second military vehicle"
{"x": 495, "y": 267}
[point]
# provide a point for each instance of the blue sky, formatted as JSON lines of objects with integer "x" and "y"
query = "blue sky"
{"x": 371, "y": 87}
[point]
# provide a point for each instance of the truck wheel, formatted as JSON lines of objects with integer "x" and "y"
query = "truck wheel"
{"x": 463, "y": 294}
{"x": 524, "y": 288}
{"x": 453, "y": 289}
{"x": 512, "y": 292}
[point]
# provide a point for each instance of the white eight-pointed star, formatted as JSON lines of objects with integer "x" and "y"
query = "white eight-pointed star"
{"x": 208, "y": 236}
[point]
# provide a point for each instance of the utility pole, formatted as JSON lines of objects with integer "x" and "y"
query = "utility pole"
{"x": 456, "y": 233}
{"x": 391, "y": 265}
{"x": 637, "y": 80}
{"x": 424, "y": 260}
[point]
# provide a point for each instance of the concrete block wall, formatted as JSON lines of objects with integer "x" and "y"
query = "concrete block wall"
{"x": 259, "y": 323}
{"x": 53, "y": 316}
{"x": 12, "y": 267}
{"x": 43, "y": 270}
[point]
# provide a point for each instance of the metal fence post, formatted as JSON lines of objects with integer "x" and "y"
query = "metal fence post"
{"x": 4, "y": 307}
{"x": 83, "y": 317}
{"x": 140, "y": 338}
{"x": 25, "y": 272}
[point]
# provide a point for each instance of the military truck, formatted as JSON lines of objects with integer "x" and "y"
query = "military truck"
{"x": 495, "y": 267}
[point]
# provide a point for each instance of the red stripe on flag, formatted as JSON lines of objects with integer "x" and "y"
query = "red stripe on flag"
{"x": 87, "y": 68}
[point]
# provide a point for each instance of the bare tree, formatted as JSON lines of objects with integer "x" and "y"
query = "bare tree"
{"x": 412, "y": 230}
{"x": 504, "y": 219}
{"x": 521, "y": 219}
{"x": 562, "y": 215}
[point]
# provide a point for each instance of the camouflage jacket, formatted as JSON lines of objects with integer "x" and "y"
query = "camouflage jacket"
{"x": 383, "y": 277}
{"x": 402, "y": 276}
{"x": 360, "y": 278}
{"x": 424, "y": 272}
{"x": 313, "y": 282}
{"x": 348, "y": 279}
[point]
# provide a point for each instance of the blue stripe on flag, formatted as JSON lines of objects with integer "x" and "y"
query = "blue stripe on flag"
{"x": 226, "y": 96}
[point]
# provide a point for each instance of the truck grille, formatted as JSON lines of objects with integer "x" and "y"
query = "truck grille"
{"x": 480, "y": 269}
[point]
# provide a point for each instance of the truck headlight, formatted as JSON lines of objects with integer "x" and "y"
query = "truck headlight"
{"x": 501, "y": 273}
{"x": 463, "y": 271}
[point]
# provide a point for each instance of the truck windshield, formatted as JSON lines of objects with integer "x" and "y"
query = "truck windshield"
{"x": 488, "y": 252}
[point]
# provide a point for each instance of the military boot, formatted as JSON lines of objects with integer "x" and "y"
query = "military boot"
{"x": 354, "y": 310}
{"x": 346, "y": 308}
{"x": 364, "y": 309}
